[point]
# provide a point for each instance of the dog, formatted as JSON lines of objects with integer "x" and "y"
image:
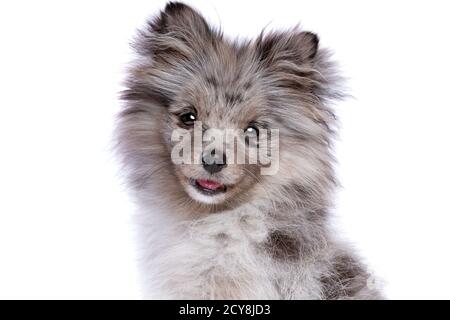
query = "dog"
{"x": 211, "y": 228}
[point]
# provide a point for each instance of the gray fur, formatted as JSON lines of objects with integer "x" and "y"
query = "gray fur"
{"x": 268, "y": 237}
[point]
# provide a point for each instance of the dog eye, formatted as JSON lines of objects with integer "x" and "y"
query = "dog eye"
{"x": 188, "y": 118}
{"x": 251, "y": 131}
{"x": 251, "y": 135}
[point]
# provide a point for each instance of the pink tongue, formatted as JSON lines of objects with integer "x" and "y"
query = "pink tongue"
{"x": 208, "y": 184}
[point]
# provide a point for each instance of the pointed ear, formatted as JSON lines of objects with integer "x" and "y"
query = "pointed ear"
{"x": 295, "y": 46}
{"x": 180, "y": 17}
{"x": 177, "y": 22}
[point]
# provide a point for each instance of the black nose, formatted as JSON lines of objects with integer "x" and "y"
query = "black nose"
{"x": 214, "y": 161}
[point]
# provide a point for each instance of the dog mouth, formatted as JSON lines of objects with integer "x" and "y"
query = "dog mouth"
{"x": 208, "y": 187}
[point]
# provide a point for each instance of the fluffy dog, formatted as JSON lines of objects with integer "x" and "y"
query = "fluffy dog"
{"x": 213, "y": 229}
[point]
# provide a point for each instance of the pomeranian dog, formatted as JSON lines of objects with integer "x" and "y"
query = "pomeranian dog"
{"x": 212, "y": 223}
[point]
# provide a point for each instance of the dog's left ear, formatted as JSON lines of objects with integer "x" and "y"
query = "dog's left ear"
{"x": 295, "y": 46}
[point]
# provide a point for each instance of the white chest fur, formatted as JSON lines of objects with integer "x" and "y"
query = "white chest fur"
{"x": 219, "y": 256}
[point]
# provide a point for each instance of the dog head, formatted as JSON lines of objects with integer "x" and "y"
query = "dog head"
{"x": 189, "y": 83}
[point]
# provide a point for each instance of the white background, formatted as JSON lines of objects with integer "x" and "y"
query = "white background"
{"x": 65, "y": 228}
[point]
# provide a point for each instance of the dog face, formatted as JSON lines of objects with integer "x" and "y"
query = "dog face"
{"x": 190, "y": 80}
{"x": 218, "y": 118}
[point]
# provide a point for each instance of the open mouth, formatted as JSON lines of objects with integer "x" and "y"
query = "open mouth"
{"x": 208, "y": 187}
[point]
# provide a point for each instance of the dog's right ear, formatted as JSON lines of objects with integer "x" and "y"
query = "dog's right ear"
{"x": 178, "y": 30}
{"x": 180, "y": 19}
